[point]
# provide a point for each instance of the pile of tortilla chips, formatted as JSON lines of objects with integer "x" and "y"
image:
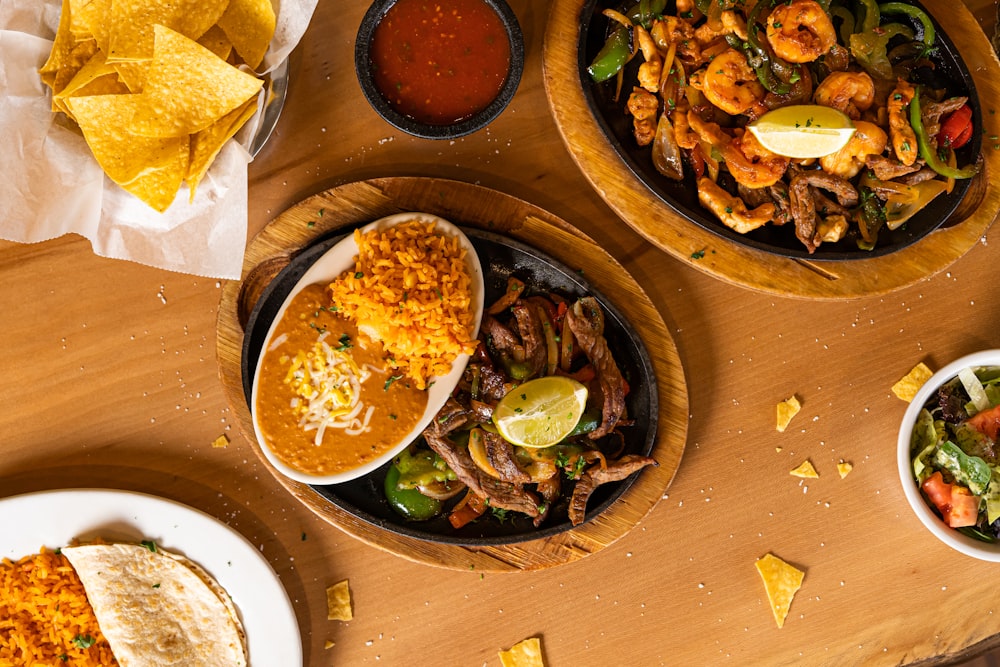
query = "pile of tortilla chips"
{"x": 156, "y": 86}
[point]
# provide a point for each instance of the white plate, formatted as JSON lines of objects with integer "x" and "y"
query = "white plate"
{"x": 329, "y": 266}
{"x": 54, "y": 518}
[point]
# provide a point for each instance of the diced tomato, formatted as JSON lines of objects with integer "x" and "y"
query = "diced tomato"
{"x": 957, "y": 505}
{"x": 987, "y": 422}
{"x": 956, "y": 129}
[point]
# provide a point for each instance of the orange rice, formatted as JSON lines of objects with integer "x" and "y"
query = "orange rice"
{"x": 411, "y": 291}
{"x": 45, "y": 618}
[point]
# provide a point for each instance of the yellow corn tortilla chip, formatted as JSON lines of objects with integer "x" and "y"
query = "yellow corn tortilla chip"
{"x": 96, "y": 68}
{"x": 89, "y": 20}
{"x": 805, "y": 470}
{"x": 221, "y": 442}
{"x": 781, "y": 582}
{"x": 525, "y": 653}
{"x": 150, "y": 168}
{"x": 62, "y": 46}
{"x": 844, "y": 469}
{"x": 216, "y": 41}
{"x": 188, "y": 88}
{"x": 131, "y": 24}
{"x": 338, "y": 602}
{"x": 249, "y": 24}
{"x": 786, "y": 410}
{"x": 907, "y": 386}
{"x": 205, "y": 145}
{"x": 133, "y": 74}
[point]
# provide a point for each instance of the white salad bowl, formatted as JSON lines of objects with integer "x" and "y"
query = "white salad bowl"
{"x": 950, "y": 536}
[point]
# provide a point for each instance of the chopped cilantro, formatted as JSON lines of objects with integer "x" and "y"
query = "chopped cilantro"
{"x": 392, "y": 378}
{"x": 83, "y": 641}
{"x": 149, "y": 545}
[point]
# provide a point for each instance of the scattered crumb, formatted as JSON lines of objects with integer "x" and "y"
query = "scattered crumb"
{"x": 786, "y": 410}
{"x": 805, "y": 470}
{"x": 844, "y": 468}
{"x": 906, "y": 388}
{"x": 221, "y": 442}
{"x": 328, "y": 644}
{"x": 338, "y": 602}
{"x": 525, "y": 653}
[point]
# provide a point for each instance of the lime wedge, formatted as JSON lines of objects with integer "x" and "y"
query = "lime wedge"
{"x": 540, "y": 412}
{"x": 803, "y": 130}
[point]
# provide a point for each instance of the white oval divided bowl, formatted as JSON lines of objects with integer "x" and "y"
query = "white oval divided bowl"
{"x": 954, "y": 539}
{"x": 328, "y": 267}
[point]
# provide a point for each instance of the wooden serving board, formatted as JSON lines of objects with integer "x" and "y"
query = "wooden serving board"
{"x": 471, "y": 206}
{"x": 732, "y": 262}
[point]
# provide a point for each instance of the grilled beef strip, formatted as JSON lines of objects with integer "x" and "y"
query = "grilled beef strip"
{"x": 501, "y": 494}
{"x": 596, "y": 475}
{"x": 586, "y": 321}
{"x": 804, "y": 205}
{"x": 529, "y": 325}
{"x": 501, "y": 456}
{"x": 888, "y": 169}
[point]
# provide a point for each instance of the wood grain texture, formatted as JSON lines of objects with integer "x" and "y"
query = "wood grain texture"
{"x": 474, "y": 206}
{"x": 638, "y": 206}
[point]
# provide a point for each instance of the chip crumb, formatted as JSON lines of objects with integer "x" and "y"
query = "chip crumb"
{"x": 907, "y": 386}
{"x": 338, "y": 602}
{"x": 786, "y": 410}
{"x": 221, "y": 442}
{"x": 805, "y": 470}
{"x": 781, "y": 582}
{"x": 525, "y": 653}
{"x": 328, "y": 644}
{"x": 844, "y": 468}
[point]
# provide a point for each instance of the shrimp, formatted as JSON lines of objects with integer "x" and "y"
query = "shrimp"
{"x": 731, "y": 23}
{"x": 729, "y": 83}
{"x": 800, "y": 31}
{"x": 750, "y": 164}
{"x": 650, "y": 70}
{"x": 904, "y": 139}
{"x": 732, "y": 210}
{"x": 850, "y": 92}
{"x": 644, "y": 107}
{"x": 868, "y": 139}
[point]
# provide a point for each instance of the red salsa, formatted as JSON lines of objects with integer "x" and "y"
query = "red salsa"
{"x": 440, "y": 61}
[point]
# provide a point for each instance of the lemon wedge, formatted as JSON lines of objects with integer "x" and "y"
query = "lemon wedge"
{"x": 803, "y": 130}
{"x": 540, "y": 412}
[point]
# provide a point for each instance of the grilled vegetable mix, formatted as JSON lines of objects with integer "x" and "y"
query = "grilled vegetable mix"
{"x": 956, "y": 452}
{"x": 534, "y": 426}
{"x": 712, "y": 69}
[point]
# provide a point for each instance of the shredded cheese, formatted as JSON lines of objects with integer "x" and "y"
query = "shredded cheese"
{"x": 327, "y": 383}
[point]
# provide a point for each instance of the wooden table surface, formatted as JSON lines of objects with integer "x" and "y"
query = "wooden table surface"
{"x": 110, "y": 380}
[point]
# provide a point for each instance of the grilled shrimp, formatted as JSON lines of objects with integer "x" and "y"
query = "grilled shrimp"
{"x": 732, "y": 210}
{"x": 729, "y": 83}
{"x": 644, "y": 107}
{"x": 731, "y": 23}
{"x": 800, "y": 31}
{"x": 850, "y": 92}
{"x": 752, "y": 165}
{"x": 904, "y": 140}
{"x": 868, "y": 139}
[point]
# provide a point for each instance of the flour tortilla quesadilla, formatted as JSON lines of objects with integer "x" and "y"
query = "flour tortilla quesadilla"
{"x": 158, "y": 608}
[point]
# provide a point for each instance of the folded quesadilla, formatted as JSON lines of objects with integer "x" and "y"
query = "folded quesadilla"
{"x": 158, "y": 608}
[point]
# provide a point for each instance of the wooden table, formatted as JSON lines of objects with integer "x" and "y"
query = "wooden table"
{"x": 110, "y": 380}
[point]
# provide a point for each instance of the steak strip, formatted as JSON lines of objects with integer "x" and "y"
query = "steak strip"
{"x": 586, "y": 321}
{"x": 596, "y": 475}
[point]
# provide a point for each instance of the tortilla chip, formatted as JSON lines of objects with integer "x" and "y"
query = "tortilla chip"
{"x": 61, "y": 47}
{"x": 525, "y": 653}
{"x": 221, "y": 442}
{"x": 150, "y": 168}
{"x": 89, "y": 20}
{"x": 338, "y": 602}
{"x": 215, "y": 40}
{"x": 907, "y": 386}
{"x": 844, "y": 468}
{"x": 805, "y": 470}
{"x": 786, "y": 410}
{"x": 188, "y": 88}
{"x": 133, "y": 74}
{"x": 781, "y": 582}
{"x": 249, "y": 24}
{"x": 205, "y": 145}
{"x": 132, "y": 21}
